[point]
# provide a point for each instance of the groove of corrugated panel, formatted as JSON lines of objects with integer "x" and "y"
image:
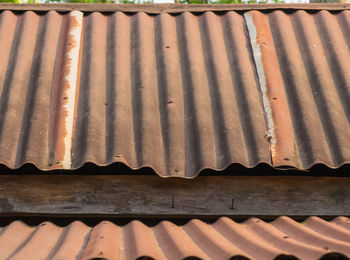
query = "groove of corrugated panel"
{"x": 253, "y": 239}
{"x": 177, "y": 93}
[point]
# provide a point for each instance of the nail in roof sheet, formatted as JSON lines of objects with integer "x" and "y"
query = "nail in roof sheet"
{"x": 253, "y": 239}
{"x": 178, "y": 93}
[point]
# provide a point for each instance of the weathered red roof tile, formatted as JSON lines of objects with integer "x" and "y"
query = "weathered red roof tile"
{"x": 176, "y": 92}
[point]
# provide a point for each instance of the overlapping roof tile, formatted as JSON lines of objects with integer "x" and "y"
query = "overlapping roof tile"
{"x": 224, "y": 239}
{"x": 176, "y": 92}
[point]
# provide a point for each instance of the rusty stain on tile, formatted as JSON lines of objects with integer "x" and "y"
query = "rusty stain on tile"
{"x": 71, "y": 77}
{"x": 177, "y": 93}
{"x": 252, "y": 239}
{"x": 65, "y": 88}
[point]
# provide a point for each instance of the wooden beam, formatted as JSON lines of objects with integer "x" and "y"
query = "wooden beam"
{"x": 171, "y": 8}
{"x": 121, "y": 195}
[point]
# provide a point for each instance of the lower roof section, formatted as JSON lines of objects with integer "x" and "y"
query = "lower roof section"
{"x": 176, "y": 92}
{"x": 224, "y": 239}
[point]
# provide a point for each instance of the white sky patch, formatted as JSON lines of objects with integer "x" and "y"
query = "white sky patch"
{"x": 70, "y": 88}
{"x": 163, "y": 1}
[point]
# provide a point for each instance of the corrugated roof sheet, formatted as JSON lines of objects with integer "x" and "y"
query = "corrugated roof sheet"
{"x": 253, "y": 239}
{"x": 302, "y": 62}
{"x": 178, "y": 93}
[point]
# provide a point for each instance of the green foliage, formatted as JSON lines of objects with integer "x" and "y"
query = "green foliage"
{"x": 10, "y": 1}
{"x": 134, "y": 2}
{"x": 192, "y": 1}
{"x": 126, "y": 2}
{"x": 79, "y": 1}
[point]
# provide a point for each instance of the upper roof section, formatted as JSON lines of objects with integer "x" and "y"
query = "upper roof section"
{"x": 178, "y": 93}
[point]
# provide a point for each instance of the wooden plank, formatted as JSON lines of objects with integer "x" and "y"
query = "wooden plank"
{"x": 122, "y": 195}
{"x": 170, "y": 8}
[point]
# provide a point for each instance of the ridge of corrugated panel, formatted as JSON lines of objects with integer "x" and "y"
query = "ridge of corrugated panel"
{"x": 177, "y": 93}
{"x": 253, "y": 239}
